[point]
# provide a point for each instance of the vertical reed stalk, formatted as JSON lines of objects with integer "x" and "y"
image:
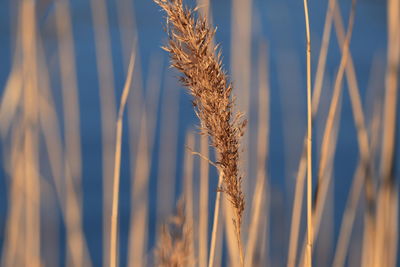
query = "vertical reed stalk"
{"x": 203, "y": 203}
{"x": 141, "y": 164}
{"x": 108, "y": 112}
{"x": 215, "y": 223}
{"x": 117, "y": 165}
{"x": 259, "y": 198}
{"x": 189, "y": 196}
{"x": 309, "y": 141}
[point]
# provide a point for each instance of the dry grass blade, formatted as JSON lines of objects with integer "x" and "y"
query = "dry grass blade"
{"x": 189, "y": 195}
{"x": 386, "y": 232}
{"x": 215, "y": 223}
{"x": 203, "y": 203}
{"x": 191, "y": 53}
{"x": 259, "y": 199}
{"x": 309, "y": 140}
{"x": 316, "y": 94}
{"x": 326, "y": 155}
{"x": 349, "y": 217}
{"x": 335, "y": 101}
{"x": 117, "y": 164}
{"x": 141, "y": 166}
{"x": 108, "y": 112}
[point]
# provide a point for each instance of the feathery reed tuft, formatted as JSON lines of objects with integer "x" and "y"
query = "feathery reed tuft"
{"x": 174, "y": 247}
{"x": 192, "y": 53}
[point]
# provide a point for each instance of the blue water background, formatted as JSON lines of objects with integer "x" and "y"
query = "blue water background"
{"x": 279, "y": 22}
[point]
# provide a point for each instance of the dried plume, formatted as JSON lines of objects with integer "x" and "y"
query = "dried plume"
{"x": 192, "y": 53}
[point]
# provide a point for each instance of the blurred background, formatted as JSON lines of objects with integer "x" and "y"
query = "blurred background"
{"x": 63, "y": 67}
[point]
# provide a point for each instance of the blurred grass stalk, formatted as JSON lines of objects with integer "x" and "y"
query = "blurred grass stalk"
{"x": 108, "y": 113}
{"x": 387, "y": 221}
{"x": 28, "y": 112}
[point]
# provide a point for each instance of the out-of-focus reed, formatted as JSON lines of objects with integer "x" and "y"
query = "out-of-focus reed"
{"x": 43, "y": 159}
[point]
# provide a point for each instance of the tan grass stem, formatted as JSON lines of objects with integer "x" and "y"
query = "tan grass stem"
{"x": 309, "y": 140}
{"x": 349, "y": 216}
{"x": 327, "y": 137}
{"x": 108, "y": 112}
{"x": 353, "y": 89}
{"x": 189, "y": 196}
{"x": 139, "y": 218}
{"x": 215, "y": 222}
{"x": 203, "y": 203}
{"x": 117, "y": 164}
{"x": 167, "y": 168}
{"x": 141, "y": 163}
{"x": 259, "y": 198}
{"x": 72, "y": 168}
{"x": 324, "y": 183}
{"x": 335, "y": 97}
{"x": 386, "y": 233}
{"x": 316, "y": 95}
{"x": 391, "y": 90}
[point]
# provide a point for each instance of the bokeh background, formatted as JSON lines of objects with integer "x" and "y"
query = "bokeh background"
{"x": 82, "y": 50}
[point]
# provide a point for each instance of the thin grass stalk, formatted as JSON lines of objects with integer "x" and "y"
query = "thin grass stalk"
{"x": 72, "y": 134}
{"x": 219, "y": 246}
{"x": 205, "y": 10}
{"x": 335, "y": 100}
{"x": 139, "y": 219}
{"x": 316, "y": 94}
{"x": 354, "y": 92}
{"x": 230, "y": 234}
{"x": 167, "y": 169}
{"x": 368, "y": 249}
{"x": 349, "y": 216}
{"x": 325, "y": 183}
{"x": 69, "y": 90}
{"x": 296, "y": 210}
{"x": 215, "y": 222}
{"x": 14, "y": 222}
{"x": 11, "y": 128}
{"x": 11, "y": 97}
{"x": 241, "y": 73}
{"x": 309, "y": 140}
{"x": 141, "y": 166}
{"x": 48, "y": 124}
{"x": 137, "y": 121}
{"x": 127, "y": 28}
{"x": 66, "y": 191}
{"x": 117, "y": 164}
{"x": 262, "y": 154}
{"x": 108, "y": 113}
{"x": 363, "y": 147}
{"x": 391, "y": 91}
{"x": 319, "y": 75}
{"x": 189, "y": 196}
{"x": 387, "y": 202}
{"x": 32, "y": 219}
{"x": 203, "y": 203}
{"x": 326, "y": 143}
